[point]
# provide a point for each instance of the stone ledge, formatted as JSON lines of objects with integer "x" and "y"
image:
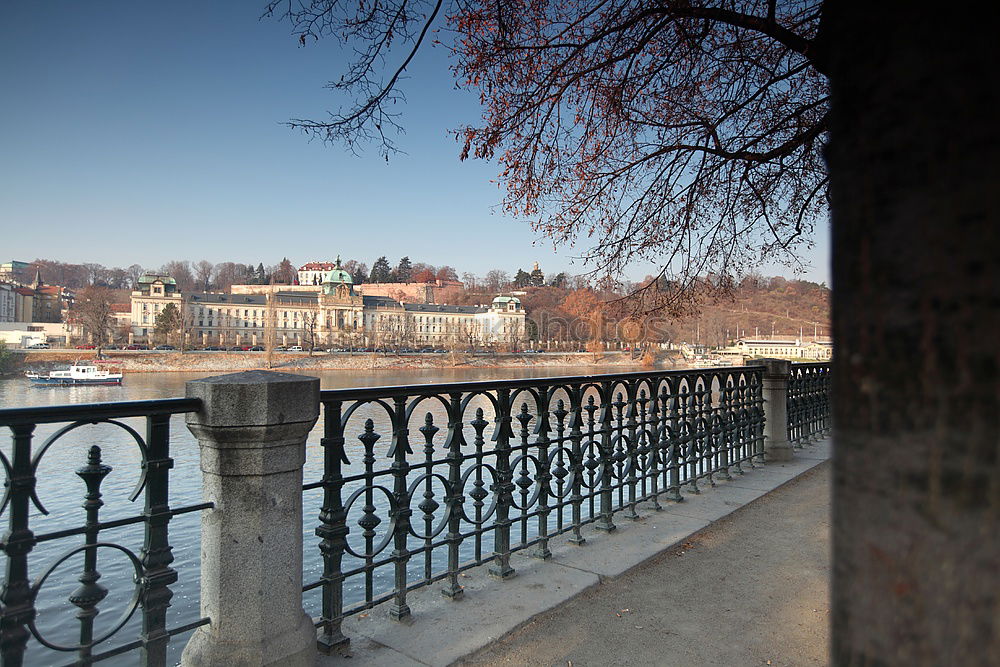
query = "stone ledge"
{"x": 442, "y": 632}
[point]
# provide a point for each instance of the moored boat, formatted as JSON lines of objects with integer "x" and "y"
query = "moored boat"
{"x": 76, "y": 375}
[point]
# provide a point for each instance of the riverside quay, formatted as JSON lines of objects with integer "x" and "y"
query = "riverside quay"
{"x": 319, "y": 506}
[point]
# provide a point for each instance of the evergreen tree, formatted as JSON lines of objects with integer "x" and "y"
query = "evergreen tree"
{"x": 559, "y": 280}
{"x": 536, "y": 277}
{"x": 522, "y": 278}
{"x": 404, "y": 270}
{"x": 250, "y": 274}
{"x": 168, "y": 321}
{"x": 261, "y": 274}
{"x": 380, "y": 271}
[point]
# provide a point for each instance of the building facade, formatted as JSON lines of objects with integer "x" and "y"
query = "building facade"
{"x": 332, "y": 313}
{"x": 154, "y": 291}
{"x": 8, "y": 299}
{"x": 313, "y": 273}
{"x": 14, "y": 271}
{"x": 791, "y": 349}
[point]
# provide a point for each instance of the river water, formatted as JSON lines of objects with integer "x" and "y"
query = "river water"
{"x": 61, "y": 493}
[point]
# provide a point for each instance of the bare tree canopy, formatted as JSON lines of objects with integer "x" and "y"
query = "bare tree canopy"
{"x": 688, "y": 133}
{"x": 92, "y": 308}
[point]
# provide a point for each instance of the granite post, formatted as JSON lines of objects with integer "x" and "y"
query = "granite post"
{"x": 252, "y": 431}
{"x": 776, "y": 444}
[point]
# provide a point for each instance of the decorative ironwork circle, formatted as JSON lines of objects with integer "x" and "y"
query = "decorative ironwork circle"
{"x": 443, "y": 521}
{"x": 390, "y": 530}
{"x": 126, "y": 614}
{"x": 461, "y": 489}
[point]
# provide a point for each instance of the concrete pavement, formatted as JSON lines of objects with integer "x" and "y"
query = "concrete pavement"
{"x": 751, "y": 589}
{"x": 734, "y": 576}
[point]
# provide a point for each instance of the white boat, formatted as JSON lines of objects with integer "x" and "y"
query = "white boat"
{"x": 76, "y": 375}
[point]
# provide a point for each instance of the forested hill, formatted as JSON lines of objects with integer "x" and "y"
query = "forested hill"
{"x": 757, "y": 305}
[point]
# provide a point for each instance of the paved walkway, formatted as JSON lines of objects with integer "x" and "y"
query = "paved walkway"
{"x": 749, "y": 590}
{"x": 736, "y": 575}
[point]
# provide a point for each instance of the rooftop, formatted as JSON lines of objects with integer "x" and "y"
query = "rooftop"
{"x": 149, "y": 278}
{"x": 229, "y": 299}
{"x": 318, "y": 266}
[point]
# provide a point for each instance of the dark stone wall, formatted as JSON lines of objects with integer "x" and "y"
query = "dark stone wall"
{"x": 915, "y": 173}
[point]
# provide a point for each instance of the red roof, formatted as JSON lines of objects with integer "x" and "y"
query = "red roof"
{"x": 121, "y": 308}
{"x": 26, "y": 291}
{"x": 318, "y": 266}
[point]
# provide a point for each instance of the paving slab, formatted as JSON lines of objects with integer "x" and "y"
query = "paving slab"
{"x": 629, "y": 545}
{"x": 440, "y": 630}
{"x": 710, "y": 504}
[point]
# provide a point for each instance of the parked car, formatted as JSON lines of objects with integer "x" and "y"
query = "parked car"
{"x": 165, "y": 347}
{"x": 281, "y": 348}
{"x": 86, "y": 347}
{"x": 39, "y": 346}
{"x": 295, "y": 348}
{"x": 257, "y": 348}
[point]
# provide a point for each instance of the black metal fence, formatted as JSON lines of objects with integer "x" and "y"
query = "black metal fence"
{"x": 808, "y": 402}
{"x": 498, "y": 467}
{"x": 419, "y": 484}
{"x": 151, "y": 568}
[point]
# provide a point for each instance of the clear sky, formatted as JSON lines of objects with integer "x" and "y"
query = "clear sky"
{"x": 142, "y": 132}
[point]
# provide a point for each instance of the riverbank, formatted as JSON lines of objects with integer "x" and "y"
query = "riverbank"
{"x": 165, "y": 362}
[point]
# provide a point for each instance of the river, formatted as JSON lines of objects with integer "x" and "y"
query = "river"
{"x": 61, "y": 492}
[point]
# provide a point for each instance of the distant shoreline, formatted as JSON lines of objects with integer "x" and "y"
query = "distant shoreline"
{"x": 166, "y": 362}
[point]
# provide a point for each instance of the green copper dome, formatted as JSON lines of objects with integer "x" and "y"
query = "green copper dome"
{"x": 338, "y": 275}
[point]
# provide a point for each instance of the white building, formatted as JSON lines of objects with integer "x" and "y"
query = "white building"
{"x": 331, "y": 313}
{"x": 790, "y": 348}
{"x": 154, "y": 292}
{"x": 314, "y": 273}
{"x": 7, "y": 302}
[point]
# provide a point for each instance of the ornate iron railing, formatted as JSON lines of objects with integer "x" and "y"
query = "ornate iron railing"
{"x": 808, "y": 402}
{"x": 151, "y": 568}
{"x": 504, "y": 466}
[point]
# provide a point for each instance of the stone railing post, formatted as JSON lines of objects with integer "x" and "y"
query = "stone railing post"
{"x": 776, "y": 444}
{"x": 252, "y": 431}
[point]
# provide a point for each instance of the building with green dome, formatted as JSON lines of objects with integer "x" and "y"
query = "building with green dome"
{"x": 325, "y": 312}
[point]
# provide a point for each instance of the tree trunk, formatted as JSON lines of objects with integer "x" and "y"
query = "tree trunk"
{"x": 916, "y": 308}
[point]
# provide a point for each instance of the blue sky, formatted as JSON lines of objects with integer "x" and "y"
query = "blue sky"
{"x": 141, "y": 132}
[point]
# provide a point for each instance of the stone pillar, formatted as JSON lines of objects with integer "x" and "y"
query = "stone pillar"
{"x": 252, "y": 430}
{"x": 776, "y": 445}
